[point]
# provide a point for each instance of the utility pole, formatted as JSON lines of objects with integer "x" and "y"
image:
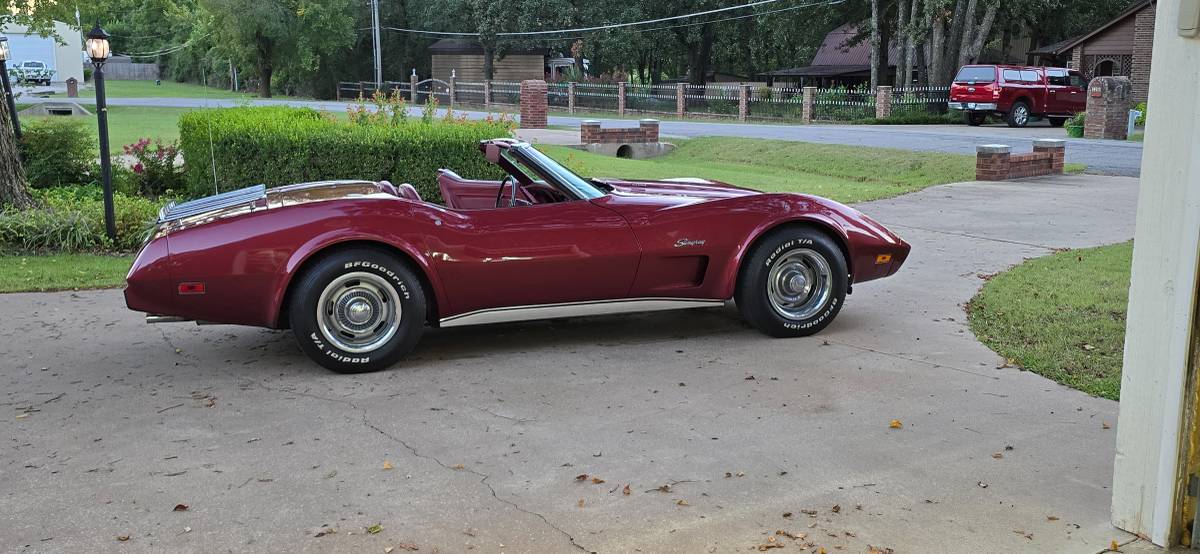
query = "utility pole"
{"x": 378, "y": 51}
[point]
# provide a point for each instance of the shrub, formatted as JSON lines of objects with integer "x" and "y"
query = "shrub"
{"x": 1141, "y": 119}
{"x": 71, "y": 219}
{"x": 155, "y": 171}
{"x": 57, "y": 151}
{"x": 280, "y": 145}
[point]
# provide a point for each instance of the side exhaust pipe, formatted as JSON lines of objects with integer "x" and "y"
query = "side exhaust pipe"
{"x": 151, "y": 318}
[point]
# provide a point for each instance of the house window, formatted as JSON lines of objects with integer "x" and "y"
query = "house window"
{"x": 1105, "y": 68}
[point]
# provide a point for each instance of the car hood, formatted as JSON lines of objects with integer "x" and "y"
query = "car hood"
{"x": 685, "y": 189}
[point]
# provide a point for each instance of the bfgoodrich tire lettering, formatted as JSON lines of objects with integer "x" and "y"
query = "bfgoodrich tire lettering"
{"x": 793, "y": 283}
{"x": 357, "y": 310}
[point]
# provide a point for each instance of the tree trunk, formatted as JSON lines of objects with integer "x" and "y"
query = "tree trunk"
{"x": 265, "y": 50}
{"x": 954, "y": 39}
{"x": 884, "y": 48}
{"x": 981, "y": 34}
{"x": 968, "y": 33}
{"x": 903, "y": 41}
{"x": 489, "y": 58}
{"x": 936, "y": 38}
{"x": 14, "y": 190}
{"x": 876, "y": 32}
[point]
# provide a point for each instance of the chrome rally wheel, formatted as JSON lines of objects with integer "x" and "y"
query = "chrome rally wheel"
{"x": 799, "y": 284}
{"x": 793, "y": 282}
{"x": 357, "y": 309}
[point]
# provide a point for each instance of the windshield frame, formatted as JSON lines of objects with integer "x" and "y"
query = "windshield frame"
{"x": 553, "y": 172}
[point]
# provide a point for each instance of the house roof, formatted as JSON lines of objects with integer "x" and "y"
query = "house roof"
{"x": 1054, "y": 49}
{"x": 464, "y": 46}
{"x": 1131, "y": 10}
{"x": 840, "y": 48}
{"x": 818, "y": 71}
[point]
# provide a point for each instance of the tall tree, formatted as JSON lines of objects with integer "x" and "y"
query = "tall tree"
{"x": 14, "y": 189}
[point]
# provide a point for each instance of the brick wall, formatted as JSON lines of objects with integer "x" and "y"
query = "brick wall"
{"x": 533, "y": 104}
{"x": 646, "y": 132}
{"x": 1143, "y": 44}
{"x": 996, "y": 162}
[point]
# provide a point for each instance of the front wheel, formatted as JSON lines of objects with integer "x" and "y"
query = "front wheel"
{"x": 793, "y": 283}
{"x": 357, "y": 310}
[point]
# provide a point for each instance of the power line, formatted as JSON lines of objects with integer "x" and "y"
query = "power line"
{"x": 164, "y": 51}
{"x": 620, "y": 25}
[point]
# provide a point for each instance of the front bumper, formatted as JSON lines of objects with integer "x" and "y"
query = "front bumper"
{"x": 972, "y": 106}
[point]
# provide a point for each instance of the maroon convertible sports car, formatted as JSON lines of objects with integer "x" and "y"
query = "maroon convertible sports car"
{"x": 358, "y": 268}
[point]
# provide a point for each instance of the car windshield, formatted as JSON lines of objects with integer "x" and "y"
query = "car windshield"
{"x": 552, "y": 170}
{"x": 976, "y": 75}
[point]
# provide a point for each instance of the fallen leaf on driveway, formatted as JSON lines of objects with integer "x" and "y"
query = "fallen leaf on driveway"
{"x": 581, "y": 477}
{"x": 809, "y": 512}
{"x": 982, "y": 485}
{"x": 895, "y": 424}
{"x": 771, "y": 543}
{"x": 327, "y": 531}
{"x": 681, "y": 502}
{"x": 597, "y": 480}
{"x": 787, "y": 514}
{"x": 458, "y": 467}
{"x": 997, "y": 455}
{"x": 180, "y": 508}
{"x": 408, "y": 546}
{"x": 22, "y": 416}
{"x": 1104, "y": 426}
{"x": 375, "y": 529}
{"x": 625, "y": 491}
{"x": 836, "y": 508}
{"x": 879, "y": 550}
{"x": 791, "y": 535}
{"x": 580, "y": 504}
{"x": 387, "y": 465}
{"x": 124, "y": 538}
{"x": 388, "y": 549}
{"x": 1051, "y": 518}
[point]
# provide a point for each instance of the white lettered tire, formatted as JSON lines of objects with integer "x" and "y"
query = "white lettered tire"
{"x": 357, "y": 310}
{"x": 793, "y": 283}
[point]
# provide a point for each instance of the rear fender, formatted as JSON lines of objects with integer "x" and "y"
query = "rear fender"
{"x": 346, "y": 237}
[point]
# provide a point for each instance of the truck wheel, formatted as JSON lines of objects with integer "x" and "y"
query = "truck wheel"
{"x": 793, "y": 283}
{"x": 357, "y": 310}
{"x": 1018, "y": 115}
{"x": 1057, "y": 121}
{"x": 974, "y": 119}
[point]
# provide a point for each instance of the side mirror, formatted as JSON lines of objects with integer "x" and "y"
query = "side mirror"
{"x": 492, "y": 152}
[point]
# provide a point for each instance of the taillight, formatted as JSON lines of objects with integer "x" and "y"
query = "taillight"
{"x": 995, "y": 91}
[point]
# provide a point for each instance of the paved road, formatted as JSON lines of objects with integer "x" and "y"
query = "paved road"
{"x": 1101, "y": 156}
{"x": 110, "y": 423}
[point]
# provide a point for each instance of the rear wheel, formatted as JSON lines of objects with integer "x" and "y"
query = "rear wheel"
{"x": 974, "y": 119}
{"x": 1018, "y": 116}
{"x": 793, "y": 283}
{"x": 357, "y": 310}
{"x": 1057, "y": 121}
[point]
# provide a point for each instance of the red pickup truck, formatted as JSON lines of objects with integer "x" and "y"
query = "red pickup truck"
{"x": 1018, "y": 93}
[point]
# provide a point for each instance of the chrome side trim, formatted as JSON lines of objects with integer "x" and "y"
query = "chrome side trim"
{"x": 575, "y": 309}
{"x": 151, "y": 318}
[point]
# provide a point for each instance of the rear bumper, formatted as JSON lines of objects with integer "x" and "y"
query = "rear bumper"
{"x": 973, "y": 106}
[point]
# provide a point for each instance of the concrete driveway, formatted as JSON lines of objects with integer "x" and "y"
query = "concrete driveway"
{"x": 1108, "y": 157}
{"x": 722, "y": 436}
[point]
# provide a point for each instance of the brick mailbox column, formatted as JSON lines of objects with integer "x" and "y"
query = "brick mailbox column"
{"x": 412, "y": 88}
{"x": 680, "y": 99}
{"x": 1055, "y": 148}
{"x": 533, "y": 104}
{"x": 1107, "y": 108}
{"x": 72, "y": 88}
{"x": 806, "y": 111}
{"x": 621, "y": 98}
{"x": 883, "y": 102}
{"x": 991, "y": 162}
{"x": 571, "y": 97}
{"x": 743, "y": 102}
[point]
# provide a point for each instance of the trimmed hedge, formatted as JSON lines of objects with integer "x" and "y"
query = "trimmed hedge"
{"x": 280, "y": 146}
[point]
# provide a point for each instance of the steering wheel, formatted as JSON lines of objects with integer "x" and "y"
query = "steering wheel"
{"x": 500, "y": 193}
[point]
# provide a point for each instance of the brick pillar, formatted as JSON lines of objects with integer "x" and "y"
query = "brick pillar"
{"x": 743, "y": 102}
{"x": 412, "y": 88}
{"x": 589, "y": 131}
{"x": 649, "y": 130}
{"x": 533, "y": 104}
{"x": 571, "y": 97}
{"x": 680, "y": 99}
{"x": 806, "y": 110}
{"x": 73, "y": 88}
{"x": 487, "y": 93}
{"x": 883, "y": 102}
{"x": 1107, "y": 108}
{"x": 621, "y": 98}
{"x": 453, "y": 90}
{"x": 991, "y": 162}
{"x": 1143, "y": 42}
{"x": 1056, "y": 148}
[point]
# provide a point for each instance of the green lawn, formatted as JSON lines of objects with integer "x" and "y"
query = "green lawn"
{"x": 127, "y": 124}
{"x": 62, "y": 272}
{"x": 168, "y": 89}
{"x": 842, "y": 173}
{"x": 1061, "y": 316}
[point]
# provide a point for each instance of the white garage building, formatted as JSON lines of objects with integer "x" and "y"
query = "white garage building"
{"x": 65, "y": 59}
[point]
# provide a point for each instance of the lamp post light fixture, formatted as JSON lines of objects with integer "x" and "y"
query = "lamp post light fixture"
{"x": 9, "y": 97}
{"x": 98, "y": 50}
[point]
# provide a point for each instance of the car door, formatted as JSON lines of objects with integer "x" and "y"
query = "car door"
{"x": 569, "y": 251}
{"x": 1058, "y": 91}
{"x": 1077, "y": 93}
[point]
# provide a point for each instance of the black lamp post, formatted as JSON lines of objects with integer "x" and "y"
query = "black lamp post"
{"x": 8, "y": 93}
{"x": 98, "y": 51}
